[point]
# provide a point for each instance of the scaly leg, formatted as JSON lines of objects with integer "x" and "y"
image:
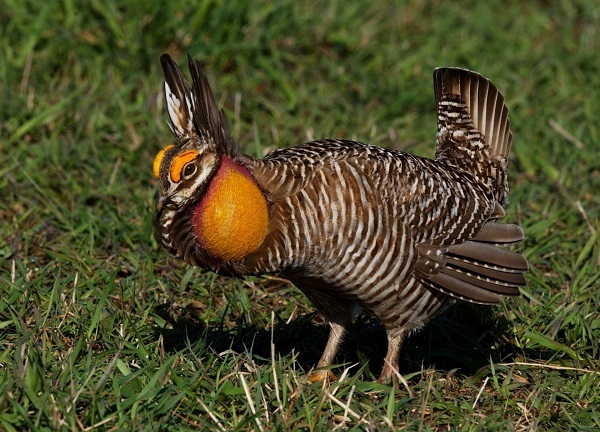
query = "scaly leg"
{"x": 390, "y": 363}
{"x": 336, "y": 335}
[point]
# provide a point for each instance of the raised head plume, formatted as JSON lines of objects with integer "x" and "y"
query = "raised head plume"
{"x": 179, "y": 100}
{"x": 193, "y": 113}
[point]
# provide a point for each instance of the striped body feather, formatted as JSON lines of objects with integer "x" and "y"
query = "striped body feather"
{"x": 356, "y": 220}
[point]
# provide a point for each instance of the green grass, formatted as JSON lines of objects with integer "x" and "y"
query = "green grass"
{"x": 100, "y": 328}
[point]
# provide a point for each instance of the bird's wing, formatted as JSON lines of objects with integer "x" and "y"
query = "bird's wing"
{"x": 479, "y": 269}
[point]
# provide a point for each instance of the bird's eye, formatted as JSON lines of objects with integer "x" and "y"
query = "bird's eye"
{"x": 189, "y": 170}
{"x": 183, "y": 165}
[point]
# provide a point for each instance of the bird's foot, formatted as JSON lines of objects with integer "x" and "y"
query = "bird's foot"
{"x": 323, "y": 375}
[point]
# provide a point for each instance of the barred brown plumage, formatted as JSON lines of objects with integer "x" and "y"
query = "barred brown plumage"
{"x": 350, "y": 224}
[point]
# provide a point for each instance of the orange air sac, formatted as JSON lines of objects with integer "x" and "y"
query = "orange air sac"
{"x": 231, "y": 220}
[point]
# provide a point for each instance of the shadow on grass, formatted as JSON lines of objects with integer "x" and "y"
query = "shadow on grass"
{"x": 464, "y": 338}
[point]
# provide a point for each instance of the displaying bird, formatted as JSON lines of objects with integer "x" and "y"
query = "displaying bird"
{"x": 353, "y": 226}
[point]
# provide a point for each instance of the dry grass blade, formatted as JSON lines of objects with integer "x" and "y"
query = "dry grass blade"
{"x": 346, "y": 407}
{"x": 403, "y": 381}
{"x": 549, "y": 366}
{"x": 211, "y": 415}
{"x": 274, "y": 364}
{"x": 250, "y": 401}
{"x": 565, "y": 134}
{"x": 485, "y": 381}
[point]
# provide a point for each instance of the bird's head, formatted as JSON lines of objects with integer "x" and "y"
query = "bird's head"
{"x": 201, "y": 131}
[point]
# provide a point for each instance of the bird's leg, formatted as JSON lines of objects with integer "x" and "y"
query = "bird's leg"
{"x": 336, "y": 335}
{"x": 390, "y": 363}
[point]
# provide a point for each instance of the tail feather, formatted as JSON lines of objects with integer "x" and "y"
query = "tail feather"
{"x": 473, "y": 127}
{"x": 470, "y": 103}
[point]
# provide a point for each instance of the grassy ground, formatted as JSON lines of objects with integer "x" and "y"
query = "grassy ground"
{"x": 100, "y": 328}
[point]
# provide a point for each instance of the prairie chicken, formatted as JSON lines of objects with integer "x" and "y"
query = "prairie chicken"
{"x": 351, "y": 225}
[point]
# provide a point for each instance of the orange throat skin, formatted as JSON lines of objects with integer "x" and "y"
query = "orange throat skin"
{"x": 232, "y": 218}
